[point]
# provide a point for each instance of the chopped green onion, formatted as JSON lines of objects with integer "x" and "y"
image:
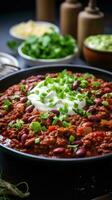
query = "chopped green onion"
{"x": 28, "y": 103}
{"x": 89, "y": 101}
{"x": 64, "y": 110}
{"x": 7, "y": 104}
{"x": 108, "y": 95}
{"x": 73, "y": 146}
{"x": 14, "y": 97}
{"x": 61, "y": 95}
{"x": 43, "y": 128}
{"x": 65, "y": 124}
{"x": 105, "y": 103}
{"x": 37, "y": 140}
{"x": 84, "y": 83}
{"x": 42, "y": 97}
{"x": 48, "y": 80}
{"x": 62, "y": 117}
{"x": 18, "y": 124}
{"x": 35, "y": 126}
{"x": 88, "y": 75}
{"x": 52, "y": 104}
{"x": 55, "y": 120}
{"x": 22, "y": 87}
{"x": 44, "y": 115}
{"x": 82, "y": 112}
{"x": 96, "y": 84}
{"x": 75, "y": 105}
{"x": 71, "y": 139}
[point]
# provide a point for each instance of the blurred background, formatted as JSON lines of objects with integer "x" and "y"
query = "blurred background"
{"x": 21, "y": 5}
{"x": 13, "y": 12}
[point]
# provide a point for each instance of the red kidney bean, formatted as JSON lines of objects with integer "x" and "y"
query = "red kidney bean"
{"x": 23, "y": 99}
{"x": 98, "y": 101}
{"x": 53, "y": 75}
{"x": 107, "y": 84}
{"x": 68, "y": 152}
{"x": 77, "y": 142}
{"x": 111, "y": 116}
{"x": 40, "y": 77}
{"x": 23, "y": 138}
{"x": 34, "y": 79}
{"x": 30, "y": 108}
{"x": 29, "y": 142}
{"x": 81, "y": 152}
{"x": 55, "y": 112}
{"x": 31, "y": 118}
{"x": 59, "y": 150}
{"x": 106, "y": 90}
{"x": 30, "y": 87}
{"x": 75, "y": 85}
{"x": 23, "y": 81}
{"x": 87, "y": 124}
{"x": 91, "y": 109}
{"x": 102, "y": 109}
{"x": 93, "y": 118}
{"x": 1, "y": 114}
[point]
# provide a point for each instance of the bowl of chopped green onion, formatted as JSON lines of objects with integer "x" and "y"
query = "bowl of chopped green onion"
{"x": 49, "y": 48}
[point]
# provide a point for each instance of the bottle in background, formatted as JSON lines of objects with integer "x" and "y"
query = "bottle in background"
{"x": 69, "y": 11}
{"x": 45, "y": 10}
{"x": 90, "y": 22}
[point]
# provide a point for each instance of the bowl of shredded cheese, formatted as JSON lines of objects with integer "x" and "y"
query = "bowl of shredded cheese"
{"x": 23, "y": 30}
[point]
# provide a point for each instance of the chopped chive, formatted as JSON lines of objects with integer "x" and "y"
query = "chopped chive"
{"x": 44, "y": 115}
{"x": 42, "y": 97}
{"x": 75, "y": 105}
{"x": 15, "y": 97}
{"x": 18, "y": 124}
{"x": 108, "y": 95}
{"x": 35, "y": 126}
{"x": 37, "y": 140}
{"x": 96, "y": 84}
{"x": 55, "y": 120}
{"x": 73, "y": 146}
{"x": 28, "y": 103}
{"x": 7, "y": 104}
{"x": 43, "y": 128}
{"x": 105, "y": 103}
{"x": 81, "y": 112}
{"x": 65, "y": 124}
{"x": 71, "y": 139}
{"x": 22, "y": 87}
{"x": 84, "y": 83}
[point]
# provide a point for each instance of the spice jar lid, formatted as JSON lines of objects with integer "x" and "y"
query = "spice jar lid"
{"x": 8, "y": 64}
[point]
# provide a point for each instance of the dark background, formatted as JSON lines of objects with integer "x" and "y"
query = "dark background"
{"x": 21, "y": 5}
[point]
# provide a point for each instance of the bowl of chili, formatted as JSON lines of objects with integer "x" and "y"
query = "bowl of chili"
{"x": 59, "y": 113}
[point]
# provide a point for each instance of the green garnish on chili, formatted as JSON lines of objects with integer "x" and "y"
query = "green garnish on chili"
{"x": 7, "y": 104}
{"x": 35, "y": 127}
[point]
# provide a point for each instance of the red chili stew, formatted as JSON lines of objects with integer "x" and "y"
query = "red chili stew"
{"x": 77, "y": 121}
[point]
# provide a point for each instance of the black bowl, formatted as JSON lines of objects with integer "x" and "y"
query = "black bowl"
{"x": 16, "y": 77}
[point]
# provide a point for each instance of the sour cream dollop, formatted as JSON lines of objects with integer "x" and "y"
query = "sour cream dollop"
{"x": 55, "y": 95}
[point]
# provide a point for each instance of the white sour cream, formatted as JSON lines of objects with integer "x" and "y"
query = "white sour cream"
{"x": 51, "y": 100}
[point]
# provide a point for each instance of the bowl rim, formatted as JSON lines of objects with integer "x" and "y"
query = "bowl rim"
{"x": 11, "y": 30}
{"x": 15, "y": 61}
{"x": 53, "y": 160}
{"x": 45, "y": 60}
{"x": 96, "y": 50}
